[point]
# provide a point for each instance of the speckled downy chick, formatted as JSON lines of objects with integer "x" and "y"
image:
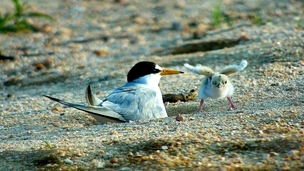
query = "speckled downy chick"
{"x": 216, "y": 85}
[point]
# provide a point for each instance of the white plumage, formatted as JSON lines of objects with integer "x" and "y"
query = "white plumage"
{"x": 216, "y": 85}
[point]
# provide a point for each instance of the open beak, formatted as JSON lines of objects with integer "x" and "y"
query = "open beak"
{"x": 170, "y": 72}
{"x": 218, "y": 86}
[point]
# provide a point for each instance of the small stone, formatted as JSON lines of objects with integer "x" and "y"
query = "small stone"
{"x": 114, "y": 160}
{"x": 49, "y": 63}
{"x": 235, "y": 155}
{"x": 56, "y": 109}
{"x": 179, "y": 118}
{"x": 289, "y": 89}
{"x": 164, "y": 147}
{"x": 191, "y": 118}
{"x": 100, "y": 165}
{"x": 166, "y": 128}
{"x": 68, "y": 161}
{"x": 180, "y": 4}
{"x": 39, "y": 66}
{"x": 266, "y": 156}
{"x": 101, "y": 52}
{"x": 130, "y": 154}
{"x": 196, "y": 141}
{"x": 10, "y": 95}
{"x": 65, "y": 31}
{"x": 293, "y": 152}
{"x": 46, "y": 28}
{"x": 139, "y": 20}
{"x": 177, "y": 26}
{"x": 244, "y": 36}
{"x": 273, "y": 154}
{"x": 98, "y": 92}
{"x": 113, "y": 133}
{"x": 137, "y": 154}
{"x": 145, "y": 158}
{"x": 178, "y": 144}
{"x": 285, "y": 166}
{"x": 48, "y": 165}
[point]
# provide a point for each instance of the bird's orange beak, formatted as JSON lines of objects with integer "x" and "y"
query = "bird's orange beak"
{"x": 170, "y": 72}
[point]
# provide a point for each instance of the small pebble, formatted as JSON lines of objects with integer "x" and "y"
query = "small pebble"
{"x": 100, "y": 165}
{"x": 164, "y": 147}
{"x": 68, "y": 161}
{"x": 177, "y": 26}
{"x": 137, "y": 154}
{"x": 114, "y": 160}
{"x": 179, "y": 118}
{"x": 139, "y": 20}
{"x": 56, "y": 109}
{"x": 10, "y": 95}
{"x": 113, "y": 133}
{"x": 130, "y": 154}
{"x": 273, "y": 154}
{"x": 39, "y": 66}
{"x": 98, "y": 92}
{"x": 180, "y": 4}
{"x": 244, "y": 36}
{"x": 101, "y": 52}
{"x": 48, "y": 165}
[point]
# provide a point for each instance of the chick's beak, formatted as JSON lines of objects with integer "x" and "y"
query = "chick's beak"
{"x": 170, "y": 72}
{"x": 218, "y": 86}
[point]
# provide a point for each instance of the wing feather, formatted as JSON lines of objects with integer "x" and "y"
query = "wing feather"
{"x": 101, "y": 114}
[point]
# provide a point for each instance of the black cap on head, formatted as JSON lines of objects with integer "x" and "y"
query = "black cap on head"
{"x": 141, "y": 69}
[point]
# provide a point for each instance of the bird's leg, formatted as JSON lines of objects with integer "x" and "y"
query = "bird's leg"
{"x": 200, "y": 109}
{"x": 231, "y": 103}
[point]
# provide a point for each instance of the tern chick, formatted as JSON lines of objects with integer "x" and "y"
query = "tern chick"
{"x": 140, "y": 98}
{"x": 216, "y": 85}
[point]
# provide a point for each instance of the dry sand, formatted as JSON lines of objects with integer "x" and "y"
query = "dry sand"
{"x": 96, "y": 42}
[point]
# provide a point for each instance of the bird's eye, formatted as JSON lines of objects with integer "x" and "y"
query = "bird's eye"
{"x": 225, "y": 82}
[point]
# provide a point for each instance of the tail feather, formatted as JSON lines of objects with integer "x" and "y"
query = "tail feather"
{"x": 92, "y": 100}
{"x": 201, "y": 70}
{"x": 101, "y": 114}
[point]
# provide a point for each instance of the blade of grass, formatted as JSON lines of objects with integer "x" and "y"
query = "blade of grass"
{"x": 18, "y": 8}
{"x": 217, "y": 16}
{"x": 39, "y": 14}
{"x": 5, "y": 19}
{"x": 48, "y": 145}
{"x": 17, "y": 20}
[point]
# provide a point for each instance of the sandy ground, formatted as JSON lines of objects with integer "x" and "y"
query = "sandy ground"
{"x": 97, "y": 42}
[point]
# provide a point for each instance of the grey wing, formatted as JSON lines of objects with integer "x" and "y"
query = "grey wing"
{"x": 132, "y": 102}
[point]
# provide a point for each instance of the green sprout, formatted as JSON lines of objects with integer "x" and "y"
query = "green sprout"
{"x": 299, "y": 21}
{"x": 217, "y": 15}
{"x": 257, "y": 20}
{"x": 48, "y": 145}
{"x": 17, "y": 21}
